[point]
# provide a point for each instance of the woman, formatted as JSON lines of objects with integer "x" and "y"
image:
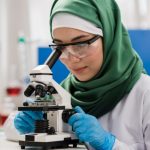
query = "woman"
{"x": 110, "y": 92}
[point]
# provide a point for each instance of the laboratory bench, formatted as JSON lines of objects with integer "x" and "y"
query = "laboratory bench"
{"x": 10, "y": 145}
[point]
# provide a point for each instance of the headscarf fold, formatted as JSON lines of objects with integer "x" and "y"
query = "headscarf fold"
{"x": 121, "y": 67}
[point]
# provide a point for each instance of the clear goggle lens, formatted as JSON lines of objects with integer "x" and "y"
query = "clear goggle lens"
{"x": 79, "y": 51}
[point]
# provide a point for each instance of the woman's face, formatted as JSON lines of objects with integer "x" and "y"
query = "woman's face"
{"x": 83, "y": 68}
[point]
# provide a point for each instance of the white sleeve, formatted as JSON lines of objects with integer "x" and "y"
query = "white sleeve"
{"x": 10, "y": 131}
{"x": 121, "y": 146}
{"x": 146, "y": 120}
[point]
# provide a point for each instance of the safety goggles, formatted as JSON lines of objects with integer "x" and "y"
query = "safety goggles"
{"x": 77, "y": 49}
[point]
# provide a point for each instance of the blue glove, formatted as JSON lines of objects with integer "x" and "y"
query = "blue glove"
{"x": 88, "y": 129}
{"x": 25, "y": 121}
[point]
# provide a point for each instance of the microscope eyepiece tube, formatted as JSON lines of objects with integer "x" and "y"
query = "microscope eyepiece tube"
{"x": 53, "y": 58}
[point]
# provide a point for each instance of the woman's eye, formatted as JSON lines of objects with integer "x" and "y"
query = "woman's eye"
{"x": 59, "y": 47}
{"x": 82, "y": 45}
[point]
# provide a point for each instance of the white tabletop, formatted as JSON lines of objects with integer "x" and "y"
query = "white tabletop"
{"x": 9, "y": 145}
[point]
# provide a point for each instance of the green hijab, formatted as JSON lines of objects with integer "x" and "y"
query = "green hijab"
{"x": 122, "y": 66}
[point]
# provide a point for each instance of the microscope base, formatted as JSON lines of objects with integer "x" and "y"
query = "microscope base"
{"x": 48, "y": 142}
{"x": 50, "y": 145}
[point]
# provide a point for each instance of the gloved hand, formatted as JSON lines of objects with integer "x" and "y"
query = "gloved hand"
{"x": 88, "y": 129}
{"x": 25, "y": 121}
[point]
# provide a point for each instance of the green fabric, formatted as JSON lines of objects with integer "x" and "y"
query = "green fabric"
{"x": 122, "y": 66}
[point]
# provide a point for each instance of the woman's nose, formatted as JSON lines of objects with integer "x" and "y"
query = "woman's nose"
{"x": 73, "y": 58}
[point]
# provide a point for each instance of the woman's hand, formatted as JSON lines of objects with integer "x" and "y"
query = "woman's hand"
{"x": 88, "y": 129}
{"x": 25, "y": 121}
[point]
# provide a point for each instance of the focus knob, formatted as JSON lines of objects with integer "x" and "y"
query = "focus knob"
{"x": 67, "y": 113}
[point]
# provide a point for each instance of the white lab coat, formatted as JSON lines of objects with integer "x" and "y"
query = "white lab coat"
{"x": 129, "y": 121}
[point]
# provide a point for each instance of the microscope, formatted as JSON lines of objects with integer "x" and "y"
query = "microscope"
{"x": 55, "y": 103}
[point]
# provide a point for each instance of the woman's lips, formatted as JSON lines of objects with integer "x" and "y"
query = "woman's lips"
{"x": 78, "y": 70}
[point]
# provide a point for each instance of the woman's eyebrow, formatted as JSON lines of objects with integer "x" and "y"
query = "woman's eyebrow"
{"x": 72, "y": 40}
{"x": 79, "y": 37}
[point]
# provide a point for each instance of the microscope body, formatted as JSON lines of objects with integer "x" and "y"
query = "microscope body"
{"x": 55, "y": 103}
